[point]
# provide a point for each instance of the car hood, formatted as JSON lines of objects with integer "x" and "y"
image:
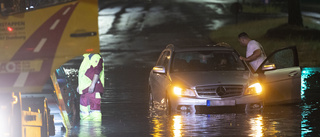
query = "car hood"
{"x": 192, "y": 79}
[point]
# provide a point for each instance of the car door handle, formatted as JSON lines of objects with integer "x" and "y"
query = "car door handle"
{"x": 84, "y": 34}
{"x": 292, "y": 74}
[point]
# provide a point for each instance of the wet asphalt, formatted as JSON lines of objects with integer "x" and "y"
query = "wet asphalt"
{"x": 132, "y": 35}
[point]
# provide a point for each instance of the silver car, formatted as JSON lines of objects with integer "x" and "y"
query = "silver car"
{"x": 213, "y": 77}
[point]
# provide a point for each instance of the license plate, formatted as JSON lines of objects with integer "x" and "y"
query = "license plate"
{"x": 221, "y": 103}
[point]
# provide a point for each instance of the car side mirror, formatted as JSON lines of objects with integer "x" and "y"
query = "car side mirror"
{"x": 267, "y": 67}
{"x": 159, "y": 69}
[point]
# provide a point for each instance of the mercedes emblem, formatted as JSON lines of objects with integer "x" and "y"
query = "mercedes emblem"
{"x": 221, "y": 91}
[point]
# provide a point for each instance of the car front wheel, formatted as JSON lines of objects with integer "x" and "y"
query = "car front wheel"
{"x": 168, "y": 105}
{"x": 151, "y": 104}
{"x": 254, "y": 107}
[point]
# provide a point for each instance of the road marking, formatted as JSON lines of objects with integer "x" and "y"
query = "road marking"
{"x": 40, "y": 45}
{"x": 66, "y": 11}
{"x": 54, "y": 25}
{"x": 21, "y": 80}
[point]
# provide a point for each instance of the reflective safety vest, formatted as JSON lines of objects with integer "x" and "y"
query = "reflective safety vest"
{"x": 91, "y": 64}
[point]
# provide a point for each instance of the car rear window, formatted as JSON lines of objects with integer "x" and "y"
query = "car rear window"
{"x": 206, "y": 61}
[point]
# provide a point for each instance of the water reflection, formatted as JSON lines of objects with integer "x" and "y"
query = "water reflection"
{"x": 273, "y": 121}
{"x": 310, "y": 116}
{"x": 177, "y": 126}
{"x": 229, "y": 124}
{"x": 125, "y": 117}
{"x": 90, "y": 128}
{"x": 256, "y": 126}
{"x": 156, "y": 127}
{"x": 305, "y": 122}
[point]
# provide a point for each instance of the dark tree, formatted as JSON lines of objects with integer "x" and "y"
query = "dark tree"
{"x": 294, "y": 12}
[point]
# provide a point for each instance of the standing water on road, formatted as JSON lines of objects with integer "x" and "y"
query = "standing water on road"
{"x": 131, "y": 37}
{"x": 126, "y": 112}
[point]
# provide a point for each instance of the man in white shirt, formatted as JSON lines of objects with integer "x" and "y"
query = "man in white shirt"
{"x": 255, "y": 54}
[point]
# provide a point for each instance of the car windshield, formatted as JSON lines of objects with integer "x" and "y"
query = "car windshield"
{"x": 206, "y": 61}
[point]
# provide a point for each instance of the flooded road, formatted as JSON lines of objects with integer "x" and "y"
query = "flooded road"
{"x": 132, "y": 36}
{"x": 126, "y": 112}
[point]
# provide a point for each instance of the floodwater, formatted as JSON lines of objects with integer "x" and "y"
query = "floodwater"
{"x": 126, "y": 112}
{"x": 132, "y": 37}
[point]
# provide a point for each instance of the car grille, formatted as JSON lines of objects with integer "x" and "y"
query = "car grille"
{"x": 219, "y": 91}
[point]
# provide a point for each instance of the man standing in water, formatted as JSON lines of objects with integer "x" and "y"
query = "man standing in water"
{"x": 90, "y": 88}
{"x": 255, "y": 54}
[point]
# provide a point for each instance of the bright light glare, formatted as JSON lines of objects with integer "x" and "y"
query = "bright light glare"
{"x": 157, "y": 127}
{"x": 157, "y": 68}
{"x": 183, "y": 92}
{"x": 177, "y": 90}
{"x": 15, "y": 101}
{"x": 3, "y": 107}
{"x": 256, "y": 126}
{"x": 269, "y": 66}
{"x": 9, "y": 29}
{"x": 258, "y": 87}
{"x": 177, "y": 126}
{"x": 4, "y": 124}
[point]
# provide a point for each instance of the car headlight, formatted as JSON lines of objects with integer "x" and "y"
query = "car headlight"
{"x": 255, "y": 88}
{"x": 183, "y": 92}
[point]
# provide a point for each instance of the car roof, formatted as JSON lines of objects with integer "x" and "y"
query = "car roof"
{"x": 203, "y": 48}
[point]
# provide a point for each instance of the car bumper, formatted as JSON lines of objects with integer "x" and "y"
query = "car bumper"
{"x": 185, "y": 103}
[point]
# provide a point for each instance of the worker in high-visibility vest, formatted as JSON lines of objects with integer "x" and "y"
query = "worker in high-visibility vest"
{"x": 90, "y": 88}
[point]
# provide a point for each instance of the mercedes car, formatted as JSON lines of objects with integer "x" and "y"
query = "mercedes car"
{"x": 213, "y": 77}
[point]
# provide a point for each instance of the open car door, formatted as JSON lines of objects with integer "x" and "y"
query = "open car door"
{"x": 280, "y": 75}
